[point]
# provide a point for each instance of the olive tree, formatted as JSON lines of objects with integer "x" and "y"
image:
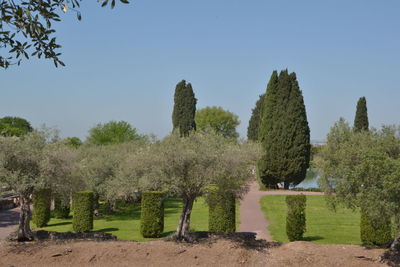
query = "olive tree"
{"x": 30, "y": 162}
{"x": 187, "y": 167}
{"x": 362, "y": 169}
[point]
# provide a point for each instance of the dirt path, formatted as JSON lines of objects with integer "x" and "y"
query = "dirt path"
{"x": 252, "y": 219}
{"x": 8, "y": 222}
{"x": 159, "y": 253}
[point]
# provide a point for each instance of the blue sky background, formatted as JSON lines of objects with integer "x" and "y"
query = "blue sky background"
{"x": 123, "y": 64}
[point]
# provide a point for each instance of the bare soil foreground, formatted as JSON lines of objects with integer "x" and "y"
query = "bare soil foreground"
{"x": 218, "y": 252}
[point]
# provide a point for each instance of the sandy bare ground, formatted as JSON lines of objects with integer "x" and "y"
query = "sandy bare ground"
{"x": 252, "y": 219}
{"x": 221, "y": 252}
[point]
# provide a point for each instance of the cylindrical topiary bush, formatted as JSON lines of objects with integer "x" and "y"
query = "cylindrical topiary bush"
{"x": 83, "y": 211}
{"x": 375, "y": 231}
{"x": 61, "y": 209}
{"x": 41, "y": 200}
{"x": 152, "y": 215}
{"x": 296, "y": 217}
{"x": 222, "y": 212}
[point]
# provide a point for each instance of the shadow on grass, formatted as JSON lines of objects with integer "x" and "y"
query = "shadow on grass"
{"x": 60, "y": 223}
{"x": 104, "y": 230}
{"x": 312, "y": 238}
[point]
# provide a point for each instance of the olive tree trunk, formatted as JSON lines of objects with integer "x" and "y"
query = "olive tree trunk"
{"x": 24, "y": 230}
{"x": 184, "y": 221}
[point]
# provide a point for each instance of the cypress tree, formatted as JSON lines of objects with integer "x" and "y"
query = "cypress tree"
{"x": 284, "y": 132}
{"x": 184, "y": 109}
{"x": 255, "y": 120}
{"x": 361, "y": 119}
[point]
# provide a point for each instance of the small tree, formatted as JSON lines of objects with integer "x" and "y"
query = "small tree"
{"x": 41, "y": 206}
{"x": 29, "y": 162}
{"x": 188, "y": 166}
{"x": 216, "y": 119}
{"x": 83, "y": 211}
{"x": 296, "y": 217}
{"x": 152, "y": 214}
{"x": 361, "y": 170}
{"x": 361, "y": 118}
{"x": 184, "y": 109}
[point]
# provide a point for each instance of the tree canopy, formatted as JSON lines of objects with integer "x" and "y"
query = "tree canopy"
{"x": 27, "y": 28}
{"x": 284, "y": 132}
{"x": 113, "y": 132}
{"x": 362, "y": 169}
{"x": 255, "y": 120}
{"x": 14, "y": 126}
{"x": 184, "y": 109}
{"x": 217, "y": 119}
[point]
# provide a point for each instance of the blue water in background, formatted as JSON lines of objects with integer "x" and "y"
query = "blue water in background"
{"x": 311, "y": 180}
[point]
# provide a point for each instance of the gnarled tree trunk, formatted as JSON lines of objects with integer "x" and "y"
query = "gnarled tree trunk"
{"x": 184, "y": 221}
{"x": 24, "y": 230}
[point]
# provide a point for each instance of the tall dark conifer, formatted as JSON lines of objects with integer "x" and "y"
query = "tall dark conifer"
{"x": 255, "y": 120}
{"x": 361, "y": 120}
{"x": 184, "y": 108}
{"x": 284, "y": 132}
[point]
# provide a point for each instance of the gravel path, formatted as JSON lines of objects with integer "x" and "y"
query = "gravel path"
{"x": 252, "y": 219}
{"x": 8, "y": 222}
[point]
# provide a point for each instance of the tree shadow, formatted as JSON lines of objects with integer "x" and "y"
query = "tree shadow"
{"x": 312, "y": 238}
{"x": 242, "y": 239}
{"x": 104, "y": 230}
{"x": 60, "y": 223}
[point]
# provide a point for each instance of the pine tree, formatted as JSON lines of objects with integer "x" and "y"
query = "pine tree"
{"x": 255, "y": 120}
{"x": 184, "y": 109}
{"x": 361, "y": 119}
{"x": 284, "y": 132}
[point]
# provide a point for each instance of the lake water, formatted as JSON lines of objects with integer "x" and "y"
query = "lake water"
{"x": 311, "y": 180}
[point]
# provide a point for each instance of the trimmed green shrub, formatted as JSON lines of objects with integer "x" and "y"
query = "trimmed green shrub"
{"x": 152, "y": 215}
{"x": 41, "y": 199}
{"x": 61, "y": 210}
{"x": 83, "y": 211}
{"x": 375, "y": 231}
{"x": 222, "y": 212}
{"x": 296, "y": 217}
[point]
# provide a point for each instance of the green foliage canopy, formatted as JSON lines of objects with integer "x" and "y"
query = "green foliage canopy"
{"x": 113, "y": 132}
{"x": 284, "y": 132}
{"x": 184, "y": 109}
{"x": 14, "y": 126}
{"x": 361, "y": 119}
{"x": 26, "y": 28}
{"x": 255, "y": 120}
{"x": 219, "y": 120}
{"x": 362, "y": 169}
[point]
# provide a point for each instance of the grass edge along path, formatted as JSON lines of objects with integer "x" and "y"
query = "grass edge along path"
{"x": 323, "y": 226}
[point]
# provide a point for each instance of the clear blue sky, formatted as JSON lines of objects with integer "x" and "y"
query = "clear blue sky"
{"x": 123, "y": 64}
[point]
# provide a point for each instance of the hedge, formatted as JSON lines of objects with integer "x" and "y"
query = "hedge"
{"x": 61, "y": 210}
{"x": 296, "y": 217}
{"x": 222, "y": 212}
{"x": 377, "y": 231}
{"x": 41, "y": 200}
{"x": 152, "y": 214}
{"x": 83, "y": 211}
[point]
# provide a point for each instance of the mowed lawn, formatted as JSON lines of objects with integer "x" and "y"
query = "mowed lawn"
{"x": 125, "y": 222}
{"x": 324, "y": 226}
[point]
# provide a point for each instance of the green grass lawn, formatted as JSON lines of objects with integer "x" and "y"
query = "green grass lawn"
{"x": 125, "y": 222}
{"x": 323, "y": 225}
